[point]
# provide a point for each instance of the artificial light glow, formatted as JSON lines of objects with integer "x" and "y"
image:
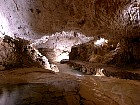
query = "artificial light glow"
{"x": 101, "y": 42}
{"x": 60, "y": 43}
{"x": 54, "y": 68}
{"x": 4, "y": 26}
{"x": 78, "y": 75}
{"x": 99, "y": 72}
{"x": 62, "y": 56}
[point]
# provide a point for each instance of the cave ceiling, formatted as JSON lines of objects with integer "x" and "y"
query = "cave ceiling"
{"x": 36, "y": 18}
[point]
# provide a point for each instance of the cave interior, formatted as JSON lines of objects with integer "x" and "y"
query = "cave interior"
{"x": 78, "y": 52}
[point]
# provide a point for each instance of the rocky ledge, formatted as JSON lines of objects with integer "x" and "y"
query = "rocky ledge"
{"x": 105, "y": 70}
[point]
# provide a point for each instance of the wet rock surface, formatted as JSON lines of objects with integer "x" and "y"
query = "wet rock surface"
{"x": 109, "y": 91}
{"x": 105, "y": 70}
{"x": 40, "y": 94}
{"x": 36, "y": 86}
{"x": 32, "y": 19}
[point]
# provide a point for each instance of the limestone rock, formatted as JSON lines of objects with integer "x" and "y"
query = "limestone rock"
{"x": 57, "y": 46}
{"x": 96, "y": 59}
{"x": 18, "y": 53}
{"x": 82, "y": 51}
{"x": 40, "y": 17}
{"x": 103, "y": 53}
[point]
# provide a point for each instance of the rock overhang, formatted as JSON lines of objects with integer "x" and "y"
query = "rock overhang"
{"x": 33, "y": 19}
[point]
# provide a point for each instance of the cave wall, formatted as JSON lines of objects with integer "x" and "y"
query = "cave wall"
{"x": 82, "y": 51}
{"x": 18, "y": 53}
{"x": 57, "y": 46}
{"x": 123, "y": 53}
{"x": 129, "y": 52}
{"x": 33, "y": 18}
{"x": 36, "y": 18}
{"x": 91, "y": 52}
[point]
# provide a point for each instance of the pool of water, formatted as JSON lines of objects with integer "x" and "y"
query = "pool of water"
{"x": 36, "y": 94}
{"x": 65, "y": 68}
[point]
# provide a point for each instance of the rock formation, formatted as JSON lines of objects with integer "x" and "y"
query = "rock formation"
{"x": 112, "y": 52}
{"x": 115, "y": 19}
{"x": 18, "y": 53}
{"x": 38, "y": 17}
{"x": 57, "y": 46}
{"x": 36, "y": 32}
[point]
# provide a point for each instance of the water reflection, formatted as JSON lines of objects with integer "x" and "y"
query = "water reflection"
{"x": 51, "y": 93}
{"x": 9, "y": 95}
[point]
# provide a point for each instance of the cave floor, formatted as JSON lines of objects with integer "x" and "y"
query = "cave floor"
{"x": 65, "y": 68}
{"x": 36, "y": 86}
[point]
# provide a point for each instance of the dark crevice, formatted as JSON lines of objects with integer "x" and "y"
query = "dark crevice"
{"x": 31, "y": 10}
{"x": 16, "y": 5}
{"x": 38, "y": 11}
